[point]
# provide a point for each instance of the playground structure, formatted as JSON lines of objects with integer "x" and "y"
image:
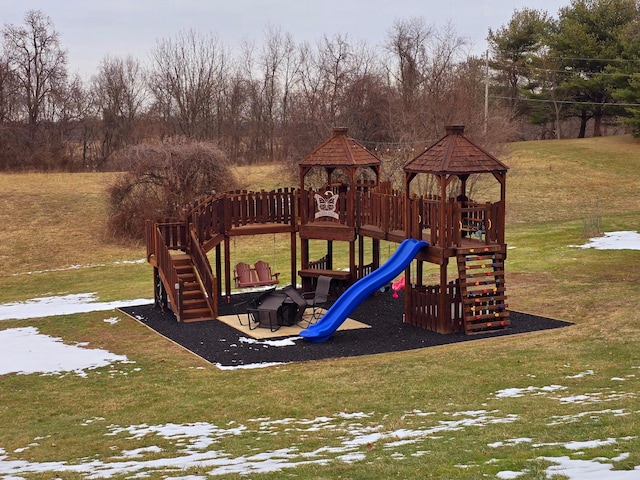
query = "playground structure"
{"x": 354, "y": 206}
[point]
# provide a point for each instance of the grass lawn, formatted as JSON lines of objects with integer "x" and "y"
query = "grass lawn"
{"x": 511, "y": 407}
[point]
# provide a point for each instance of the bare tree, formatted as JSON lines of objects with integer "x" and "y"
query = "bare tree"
{"x": 424, "y": 71}
{"x": 407, "y": 42}
{"x": 233, "y": 114}
{"x": 161, "y": 178}
{"x": 37, "y": 70}
{"x": 324, "y": 76}
{"x": 271, "y": 76}
{"x": 9, "y": 106}
{"x": 120, "y": 95}
{"x": 366, "y": 99}
{"x": 8, "y": 91}
{"x": 442, "y": 80}
{"x": 186, "y": 78}
{"x": 35, "y": 56}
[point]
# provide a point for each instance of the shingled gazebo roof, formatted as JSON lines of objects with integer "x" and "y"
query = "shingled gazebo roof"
{"x": 340, "y": 151}
{"x": 456, "y": 155}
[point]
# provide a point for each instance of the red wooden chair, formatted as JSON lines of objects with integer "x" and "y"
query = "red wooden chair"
{"x": 265, "y": 277}
{"x": 244, "y": 276}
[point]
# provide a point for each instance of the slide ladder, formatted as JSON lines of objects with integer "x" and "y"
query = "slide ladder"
{"x": 482, "y": 289}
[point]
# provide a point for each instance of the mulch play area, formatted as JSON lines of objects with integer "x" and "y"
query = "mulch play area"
{"x": 381, "y": 330}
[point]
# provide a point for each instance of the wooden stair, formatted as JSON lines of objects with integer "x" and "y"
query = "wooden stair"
{"x": 194, "y": 301}
{"x": 482, "y": 289}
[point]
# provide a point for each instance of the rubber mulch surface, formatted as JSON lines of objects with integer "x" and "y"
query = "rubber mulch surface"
{"x": 225, "y": 346}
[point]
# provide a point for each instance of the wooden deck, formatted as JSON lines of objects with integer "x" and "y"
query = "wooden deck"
{"x": 379, "y": 216}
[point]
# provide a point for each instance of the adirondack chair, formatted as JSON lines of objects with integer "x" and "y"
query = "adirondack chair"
{"x": 265, "y": 277}
{"x": 244, "y": 275}
{"x": 258, "y": 276}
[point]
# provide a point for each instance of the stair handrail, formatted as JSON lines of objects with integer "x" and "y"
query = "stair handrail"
{"x": 168, "y": 273}
{"x": 207, "y": 216}
{"x": 204, "y": 271}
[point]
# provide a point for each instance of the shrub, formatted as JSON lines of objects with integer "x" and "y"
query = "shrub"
{"x": 161, "y": 179}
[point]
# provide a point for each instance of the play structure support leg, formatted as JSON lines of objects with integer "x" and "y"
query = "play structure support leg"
{"x": 227, "y": 268}
{"x": 294, "y": 258}
{"x": 407, "y": 294}
{"x": 376, "y": 253}
{"x": 442, "y": 298}
{"x": 352, "y": 260}
{"x": 360, "y": 272}
{"x": 218, "y": 269}
{"x": 304, "y": 258}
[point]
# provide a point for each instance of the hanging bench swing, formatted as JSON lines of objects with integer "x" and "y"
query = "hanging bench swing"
{"x": 259, "y": 275}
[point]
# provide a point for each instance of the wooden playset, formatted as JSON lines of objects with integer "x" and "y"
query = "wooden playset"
{"x": 353, "y": 206}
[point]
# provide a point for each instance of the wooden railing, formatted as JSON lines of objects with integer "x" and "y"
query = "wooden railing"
{"x": 248, "y": 208}
{"x": 207, "y": 217}
{"x": 424, "y": 308}
{"x": 425, "y": 215}
{"x": 174, "y": 234}
{"x": 203, "y": 268}
{"x": 446, "y": 228}
{"x": 213, "y": 217}
{"x": 168, "y": 273}
{"x": 320, "y": 264}
{"x": 482, "y": 221}
{"x": 383, "y": 210}
{"x": 149, "y": 234}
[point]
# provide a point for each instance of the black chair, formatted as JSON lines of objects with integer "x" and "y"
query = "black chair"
{"x": 313, "y": 300}
{"x": 320, "y": 296}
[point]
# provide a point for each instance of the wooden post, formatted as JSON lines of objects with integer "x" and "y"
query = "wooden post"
{"x": 408, "y": 310}
{"x": 442, "y": 220}
{"x": 227, "y": 268}
{"x": 294, "y": 258}
{"x": 218, "y": 269}
{"x": 304, "y": 260}
{"x": 360, "y": 272}
{"x": 443, "y": 314}
{"x": 376, "y": 253}
{"x": 352, "y": 260}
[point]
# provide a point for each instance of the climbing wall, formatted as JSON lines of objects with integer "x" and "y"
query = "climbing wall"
{"x": 482, "y": 289}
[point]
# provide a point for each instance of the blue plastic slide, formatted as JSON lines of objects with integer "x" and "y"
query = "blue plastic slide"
{"x": 361, "y": 290}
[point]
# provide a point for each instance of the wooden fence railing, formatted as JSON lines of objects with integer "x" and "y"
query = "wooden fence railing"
{"x": 383, "y": 210}
{"x": 445, "y": 223}
{"x": 149, "y": 234}
{"x": 484, "y": 221}
{"x": 247, "y": 208}
{"x": 424, "y": 308}
{"x": 174, "y": 234}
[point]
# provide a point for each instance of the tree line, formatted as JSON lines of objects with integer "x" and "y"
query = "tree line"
{"x": 275, "y": 101}
{"x": 583, "y": 65}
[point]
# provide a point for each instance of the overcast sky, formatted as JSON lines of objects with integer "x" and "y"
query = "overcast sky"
{"x": 92, "y": 29}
